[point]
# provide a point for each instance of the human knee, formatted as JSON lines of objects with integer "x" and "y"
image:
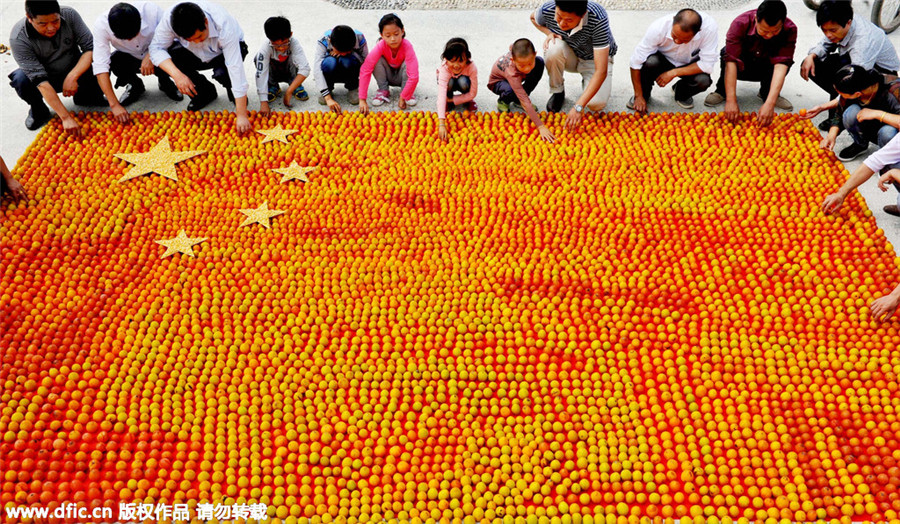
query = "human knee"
{"x": 597, "y": 105}
{"x": 703, "y": 81}
{"x": 464, "y": 84}
{"x": 849, "y": 116}
{"x": 329, "y": 64}
{"x": 886, "y": 134}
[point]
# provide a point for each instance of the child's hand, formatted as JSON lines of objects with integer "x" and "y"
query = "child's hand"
{"x": 401, "y": 104}
{"x": 243, "y": 124}
{"x": 891, "y": 176}
{"x": 364, "y": 107}
{"x": 332, "y": 104}
{"x": 288, "y": 95}
{"x": 264, "y": 109}
{"x": 546, "y": 135}
{"x": 442, "y": 132}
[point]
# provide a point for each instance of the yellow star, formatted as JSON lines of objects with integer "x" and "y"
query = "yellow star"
{"x": 276, "y": 133}
{"x": 160, "y": 159}
{"x": 260, "y": 215}
{"x": 180, "y": 244}
{"x": 294, "y": 172}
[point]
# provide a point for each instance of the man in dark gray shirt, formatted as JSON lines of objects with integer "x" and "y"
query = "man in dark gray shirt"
{"x": 53, "y": 49}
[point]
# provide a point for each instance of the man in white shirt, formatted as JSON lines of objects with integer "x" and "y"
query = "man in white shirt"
{"x": 210, "y": 39}
{"x": 684, "y": 46}
{"x": 128, "y": 28}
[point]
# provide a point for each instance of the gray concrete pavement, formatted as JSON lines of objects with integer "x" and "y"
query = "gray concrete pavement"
{"x": 489, "y": 34}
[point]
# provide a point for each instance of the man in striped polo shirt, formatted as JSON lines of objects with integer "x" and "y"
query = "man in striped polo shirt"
{"x": 578, "y": 41}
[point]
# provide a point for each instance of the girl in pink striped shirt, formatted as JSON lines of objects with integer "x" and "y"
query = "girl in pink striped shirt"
{"x": 456, "y": 74}
{"x": 393, "y": 62}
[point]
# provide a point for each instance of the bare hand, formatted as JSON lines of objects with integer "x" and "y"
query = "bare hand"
{"x": 732, "y": 111}
{"x": 120, "y": 114}
{"x": 70, "y": 85}
{"x": 243, "y": 124}
{"x": 664, "y": 79}
{"x": 147, "y": 66}
{"x": 812, "y": 113}
{"x": 891, "y": 176}
{"x": 640, "y": 104}
{"x": 573, "y": 119}
{"x": 827, "y": 142}
{"x": 832, "y": 203}
{"x": 442, "y": 133}
{"x": 766, "y": 114}
{"x": 17, "y": 191}
{"x": 550, "y": 38}
{"x": 184, "y": 84}
{"x": 288, "y": 95}
{"x": 401, "y": 104}
{"x": 546, "y": 135}
{"x": 264, "y": 109}
{"x": 883, "y": 308}
{"x": 333, "y": 105}
{"x": 71, "y": 126}
{"x": 808, "y": 67}
{"x": 364, "y": 107}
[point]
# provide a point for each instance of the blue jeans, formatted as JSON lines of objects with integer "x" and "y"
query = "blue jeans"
{"x": 865, "y": 132}
{"x": 460, "y": 84}
{"x": 341, "y": 70}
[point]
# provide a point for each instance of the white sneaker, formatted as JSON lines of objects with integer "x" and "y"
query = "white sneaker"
{"x": 412, "y": 102}
{"x": 381, "y": 98}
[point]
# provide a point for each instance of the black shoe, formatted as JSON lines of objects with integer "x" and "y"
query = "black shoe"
{"x": 892, "y": 210}
{"x": 37, "y": 119}
{"x": 555, "y": 104}
{"x": 131, "y": 94}
{"x": 852, "y": 151}
{"x": 171, "y": 91}
{"x": 825, "y": 125}
{"x": 204, "y": 97}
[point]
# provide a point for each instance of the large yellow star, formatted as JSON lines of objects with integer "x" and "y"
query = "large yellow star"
{"x": 160, "y": 159}
{"x": 260, "y": 215}
{"x": 180, "y": 244}
{"x": 294, "y": 172}
{"x": 276, "y": 133}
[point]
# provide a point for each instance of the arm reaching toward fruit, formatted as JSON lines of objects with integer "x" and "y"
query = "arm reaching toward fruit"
{"x": 883, "y": 308}
{"x": 833, "y": 201}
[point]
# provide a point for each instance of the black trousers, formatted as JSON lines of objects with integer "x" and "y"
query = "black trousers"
{"x": 685, "y": 87}
{"x": 189, "y": 64}
{"x": 754, "y": 71}
{"x": 88, "y": 94}
{"x": 127, "y": 68}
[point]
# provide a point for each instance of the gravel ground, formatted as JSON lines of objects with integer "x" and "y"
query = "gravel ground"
{"x": 639, "y": 5}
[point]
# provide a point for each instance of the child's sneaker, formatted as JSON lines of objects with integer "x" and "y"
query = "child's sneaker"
{"x": 381, "y": 98}
{"x": 274, "y": 91}
{"x": 412, "y": 101}
{"x": 353, "y": 97}
{"x": 301, "y": 94}
{"x": 502, "y": 106}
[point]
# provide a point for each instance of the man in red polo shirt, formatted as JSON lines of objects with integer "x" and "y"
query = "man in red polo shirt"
{"x": 759, "y": 47}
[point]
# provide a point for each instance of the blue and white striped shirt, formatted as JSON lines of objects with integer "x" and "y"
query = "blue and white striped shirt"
{"x": 592, "y": 33}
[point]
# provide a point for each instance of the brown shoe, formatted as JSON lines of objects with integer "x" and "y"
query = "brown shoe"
{"x": 892, "y": 210}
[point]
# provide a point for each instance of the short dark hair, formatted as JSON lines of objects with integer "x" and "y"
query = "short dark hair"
{"x": 125, "y": 21}
{"x": 457, "y": 49}
{"x": 343, "y": 38}
{"x": 838, "y": 11}
{"x": 35, "y": 8}
{"x": 389, "y": 19}
{"x": 853, "y": 79}
{"x": 772, "y": 12}
{"x": 187, "y": 19}
{"x": 576, "y": 7}
{"x": 523, "y": 48}
{"x": 277, "y": 28}
{"x": 689, "y": 20}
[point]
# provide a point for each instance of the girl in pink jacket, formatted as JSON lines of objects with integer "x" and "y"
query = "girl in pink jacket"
{"x": 393, "y": 62}
{"x": 457, "y": 74}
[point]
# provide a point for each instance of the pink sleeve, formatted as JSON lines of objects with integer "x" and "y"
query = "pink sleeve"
{"x": 412, "y": 71}
{"x": 472, "y": 72}
{"x": 365, "y": 72}
{"x": 443, "y": 80}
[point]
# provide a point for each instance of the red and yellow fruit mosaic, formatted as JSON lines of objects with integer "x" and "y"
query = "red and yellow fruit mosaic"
{"x": 649, "y": 320}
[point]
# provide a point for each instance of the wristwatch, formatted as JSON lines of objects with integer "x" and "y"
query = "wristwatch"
{"x": 579, "y": 108}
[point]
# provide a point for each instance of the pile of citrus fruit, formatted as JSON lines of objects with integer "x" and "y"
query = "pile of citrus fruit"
{"x": 650, "y": 319}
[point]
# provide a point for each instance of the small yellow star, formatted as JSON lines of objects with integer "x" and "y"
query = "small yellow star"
{"x": 276, "y": 133}
{"x": 294, "y": 172}
{"x": 180, "y": 244}
{"x": 160, "y": 159}
{"x": 260, "y": 215}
